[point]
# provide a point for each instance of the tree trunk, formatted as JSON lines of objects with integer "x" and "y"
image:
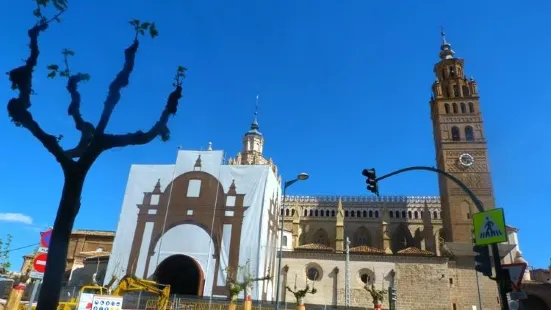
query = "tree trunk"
{"x": 59, "y": 243}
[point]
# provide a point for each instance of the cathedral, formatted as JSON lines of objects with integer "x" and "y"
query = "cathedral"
{"x": 184, "y": 224}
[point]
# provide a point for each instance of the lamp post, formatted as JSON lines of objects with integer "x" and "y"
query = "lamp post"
{"x": 301, "y": 177}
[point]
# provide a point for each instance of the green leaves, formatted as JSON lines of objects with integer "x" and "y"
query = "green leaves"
{"x": 55, "y": 70}
{"x": 5, "y": 253}
{"x": 59, "y": 5}
{"x": 141, "y": 28}
{"x": 180, "y": 76}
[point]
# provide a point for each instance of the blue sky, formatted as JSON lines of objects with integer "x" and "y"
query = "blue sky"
{"x": 343, "y": 85}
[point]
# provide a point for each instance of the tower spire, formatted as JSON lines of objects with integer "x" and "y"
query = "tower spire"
{"x": 254, "y": 124}
{"x": 443, "y": 35}
{"x": 446, "y": 51}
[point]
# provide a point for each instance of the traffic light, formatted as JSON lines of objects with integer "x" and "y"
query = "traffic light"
{"x": 371, "y": 181}
{"x": 482, "y": 260}
{"x": 506, "y": 283}
{"x": 393, "y": 296}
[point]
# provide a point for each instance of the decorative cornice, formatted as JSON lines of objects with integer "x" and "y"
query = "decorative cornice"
{"x": 406, "y": 199}
{"x": 322, "y": 255}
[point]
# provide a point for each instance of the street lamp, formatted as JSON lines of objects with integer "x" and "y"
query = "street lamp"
{"x": 301, "y": 177}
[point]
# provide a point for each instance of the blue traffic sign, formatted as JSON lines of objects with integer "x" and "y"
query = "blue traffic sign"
{"x": 45, "y": 238}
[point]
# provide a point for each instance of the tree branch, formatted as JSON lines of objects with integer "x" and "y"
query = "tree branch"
{"x": 160, "y": 128}
{"x": 87, "y": 129}
{"x": 18, "y": 108}
{"x": 120, "y": 82}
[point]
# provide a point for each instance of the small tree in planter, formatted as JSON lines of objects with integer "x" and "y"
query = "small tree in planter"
{"x": 300, "y": 294}
{"x": 378, "y": 296}
{"x": 235, "y": 286}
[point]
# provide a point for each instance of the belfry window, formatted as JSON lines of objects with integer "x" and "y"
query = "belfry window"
{"x": 463, "y": 107}
{"x": 469, "y": 133}
{"x": 466, "y": 91}
{"x": 455, "y": 108}
{"x": 471, "y": 107}
{"x": 456, "y": 91}
{"x": 455, "y": 134}
{"x": 447, "y": 108}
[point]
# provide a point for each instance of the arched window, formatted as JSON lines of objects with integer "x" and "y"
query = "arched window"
{"x": 404, "y": 214}
{"x": 305, "y": 212}
{"x": 435, "y": 214}
{"x": 391, "y": 213}
{"x": 456, "y": 91}
{"x": 333, "y": 213}
{"x": 447, "y": 108}
{"x": 454, "y": 105}
{"x": 358, "y": 214}
{"x": 346, "y": 213}
{"x": 455, "y": 134}
{"x": 376, "y": 214}
{"x": 416, "y": 215}
{"x": 293, "y": 212}
{"x": 463, "y": 107}
{"x": 286, "y": 212}
{"x": 284, "y": 240}
{"x": 370, "y": 213}
{"x": 311, "y": 212}
{"x": 352, "y": 213}
{"x": 316, "y": 213}
{"x": 397, "y": 214}
{"x": 471, "y": 107}
{"x": 326, "y": 212}
{"x": 364, "y": 213}
{"x": 466, "y": 91}
{"x": 469, "y": 133}
{"x": 409, "y": 214}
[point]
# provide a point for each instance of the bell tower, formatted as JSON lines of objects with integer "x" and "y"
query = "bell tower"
{"x": 460, "y": 143}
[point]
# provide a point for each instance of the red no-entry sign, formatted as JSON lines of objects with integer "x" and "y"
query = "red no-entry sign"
{"x": 39, "y": 263}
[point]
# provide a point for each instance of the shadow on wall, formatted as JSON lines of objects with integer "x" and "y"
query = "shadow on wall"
{"x": 85, "y": 275}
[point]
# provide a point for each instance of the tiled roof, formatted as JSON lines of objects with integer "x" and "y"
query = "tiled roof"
{"x": 314, "y": 247}
{"x": 366, "y": 249}
{"x": 93, "y": 232}
{"x": 415, "y": 251}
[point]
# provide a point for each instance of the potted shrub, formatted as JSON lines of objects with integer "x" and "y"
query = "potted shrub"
{"x": 378, "y": 296}
{"x": 235, "y": 286}
{"x": 300, "y": 294}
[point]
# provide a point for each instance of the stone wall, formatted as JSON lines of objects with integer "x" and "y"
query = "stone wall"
{"x": 464, "y": 291}
{"x": 422, "y": 284}
{"x": 330, "y": 287}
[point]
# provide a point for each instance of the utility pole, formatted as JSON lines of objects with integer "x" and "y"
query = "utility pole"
{"x": 347, "y": 275}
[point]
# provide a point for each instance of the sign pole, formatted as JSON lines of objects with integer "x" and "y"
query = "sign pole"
{"x": 36, "y": 284}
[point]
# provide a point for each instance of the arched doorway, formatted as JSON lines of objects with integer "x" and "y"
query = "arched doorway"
{"x": 534, "y": 303}
{"x": 182, "y": 273}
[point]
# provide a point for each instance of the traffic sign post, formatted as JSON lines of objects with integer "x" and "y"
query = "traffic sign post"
{"x": 516, "y": 272}
{"x": 45, "y": 239}
{"x": 39, "y": 264}
{"x": 489, "y": 227}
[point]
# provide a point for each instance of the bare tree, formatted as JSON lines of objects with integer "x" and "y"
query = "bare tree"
{"x": 94, "y": 140}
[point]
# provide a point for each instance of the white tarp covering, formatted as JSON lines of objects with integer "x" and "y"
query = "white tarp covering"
{"x": 204, "y": 199}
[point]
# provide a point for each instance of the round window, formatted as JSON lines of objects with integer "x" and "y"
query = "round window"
{"x": 313, "y": 274}
{"x": 365, "y": 278}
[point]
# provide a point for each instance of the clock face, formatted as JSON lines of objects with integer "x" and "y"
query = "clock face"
{"x": 466, "y": 160}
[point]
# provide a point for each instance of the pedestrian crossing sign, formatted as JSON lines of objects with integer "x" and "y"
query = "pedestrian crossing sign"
{"x": 489, "y": 227}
